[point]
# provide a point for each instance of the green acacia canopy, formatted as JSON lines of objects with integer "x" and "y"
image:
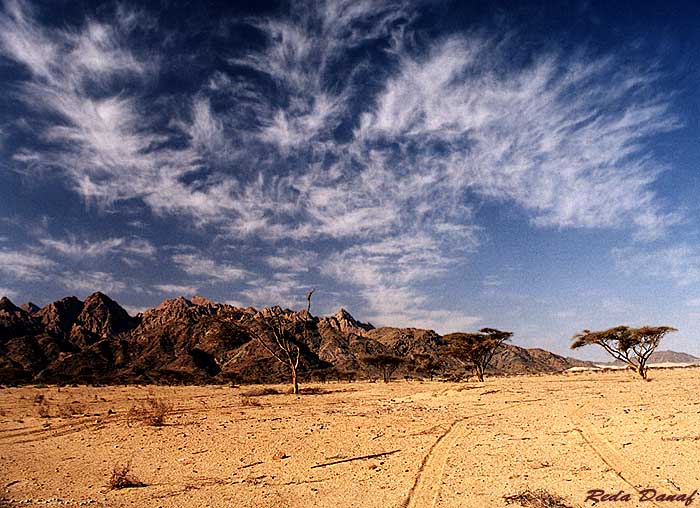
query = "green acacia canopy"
{"x": 633, "y": 346}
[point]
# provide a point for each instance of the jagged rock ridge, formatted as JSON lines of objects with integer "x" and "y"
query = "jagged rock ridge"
{"x": 199, "y": 341}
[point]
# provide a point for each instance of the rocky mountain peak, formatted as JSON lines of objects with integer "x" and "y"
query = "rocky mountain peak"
{"x": 177, "y": 310}
{"x": 7, "y": 305}
{"x": 346, "y": 323}
{"x": 343, "y": 314}
{"x": 14, "y": 321}
{"x": 102, "y": 316}
{"x": 175, "y": 303}
{"x": 29, "y": 307}
{"x": 200, "y": 300}
{"x": 58, "y": 317}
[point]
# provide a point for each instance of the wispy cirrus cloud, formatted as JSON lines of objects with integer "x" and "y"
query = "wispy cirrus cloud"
{"x": 348, "y": 129}
{"x": 176, "y": 289}
{"x": 209, "y": 269}
{"x": 387, "y": 273}
{"x": 9, "y": 293}
{"x": 553, "y": 136}
{"x": 679, "y": 264}
{"x": 282, "y": 288}
{"x": 90, "y": 281}
{"x": 24, "y": 265}
{"x": 74, "y": 248}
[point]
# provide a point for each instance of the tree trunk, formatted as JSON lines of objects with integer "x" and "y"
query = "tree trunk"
{"x": 480, "y": 373}
{"x": 295, "y": 383}
{"x": 642, "y": 371}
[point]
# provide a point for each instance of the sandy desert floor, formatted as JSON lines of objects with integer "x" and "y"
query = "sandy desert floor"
{"x": 448, "y": 445}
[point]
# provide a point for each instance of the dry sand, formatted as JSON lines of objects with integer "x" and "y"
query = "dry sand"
{"x": 455, "y": 445}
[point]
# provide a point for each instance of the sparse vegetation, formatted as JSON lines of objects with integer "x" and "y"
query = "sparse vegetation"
{"x": 261, "y": 392}
{"x": 536, "y": 499}
{"x": 249, "y": 401}
{"x": 278, "y": 334}
{"x": 385, "y": 364}
{"x": 43, "y": 410}
{"x": 632, "y": 346}
{"x": 476, "y": 349}
{"x": 151, "y": 412}
{"x": 122, "y": 479}
{"x": 427, "y": 364}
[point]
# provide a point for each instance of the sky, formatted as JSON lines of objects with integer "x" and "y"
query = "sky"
{"x": 528, "y": 166}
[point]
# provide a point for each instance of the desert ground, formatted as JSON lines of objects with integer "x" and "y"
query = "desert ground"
{"x": 444, "y": 444}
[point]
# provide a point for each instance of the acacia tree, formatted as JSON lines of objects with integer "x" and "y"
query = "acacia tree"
{"x": 427, "y": 363}
{"x": 384, "y": 363}
{"x": 278, "y": 334}
{"x": 476, "y": 349}
{"x": 632, "y": 346}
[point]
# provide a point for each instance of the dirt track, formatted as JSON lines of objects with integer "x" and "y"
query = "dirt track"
{"x": 459, "y": 445}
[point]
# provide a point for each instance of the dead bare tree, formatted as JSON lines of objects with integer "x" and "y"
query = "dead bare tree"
{"x": 278, "y": 333}
{"x": 476, "y": 349}
{"x": 632, "y": 346}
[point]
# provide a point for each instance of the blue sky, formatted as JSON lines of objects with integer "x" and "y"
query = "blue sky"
{"x": 447, "y": 165}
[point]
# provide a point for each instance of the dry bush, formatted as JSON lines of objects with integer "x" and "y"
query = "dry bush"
{"x": 249, "y": 401}
{"x": 537, "y": 499}
{"x": 314, "y": 390}
{"x": 261, "y": 392}
{"x": 43, "y": 410}
{"x": 71, "y": 409}
{"x": 122, "y": 479}
{"x": 151, "y": 412}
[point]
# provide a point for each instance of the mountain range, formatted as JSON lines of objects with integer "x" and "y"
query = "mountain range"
{"x": 199, "y": 341}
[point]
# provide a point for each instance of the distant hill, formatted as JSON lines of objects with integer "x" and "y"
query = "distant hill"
{"x": 665, "y": 357}
{"x": 200, "y": 341}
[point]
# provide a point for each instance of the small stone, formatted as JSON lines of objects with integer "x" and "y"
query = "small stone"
{"x": 280, "y": 455}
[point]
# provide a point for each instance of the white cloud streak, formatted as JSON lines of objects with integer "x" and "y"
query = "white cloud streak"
{"x": 447, "y": 127}
{"x": 88, "y": 282}
{"x": 9, "y": 293}
{"x": 679, "y": 264}
{"x": 22, "y": 265}
{"x": 209, "y": 269}
{"x": 74, "y": 248}
{"x": 176, "y": 289}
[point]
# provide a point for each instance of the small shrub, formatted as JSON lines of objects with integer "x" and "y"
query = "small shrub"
{"x": 151, "y": 412}
{"x": 537, "y": 499}
{"x": 68, "y": 410}
{"x": 249, "y": 401}
{"x": 43, "y": 410}
{"x": 314, "y": 390}
{"x": 122, "y": 479}
{"x": 39, "y": 398}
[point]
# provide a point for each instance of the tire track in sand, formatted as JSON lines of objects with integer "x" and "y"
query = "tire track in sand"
{"x": 427, "y": 485}
{"x": 624, "y": 468}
